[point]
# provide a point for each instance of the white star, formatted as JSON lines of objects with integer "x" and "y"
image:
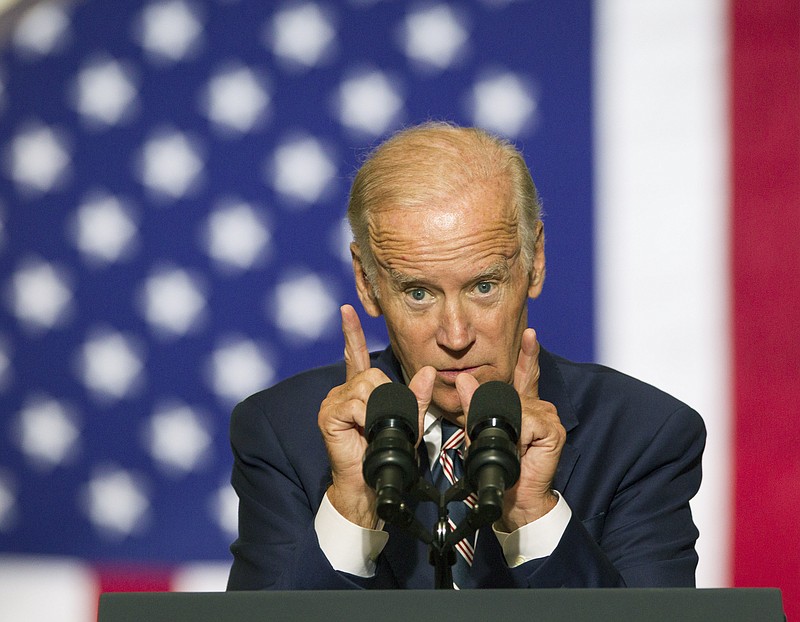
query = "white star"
{"x": 104, "y": 92}
{"x": 301, "y": 35}
{"x": 115, "y": 502}
{"x": 434, "y": 36}
{"x": 103, "y": 229}
{"x": 39, "y": 159}
{"x": 42, "y": 30}
{"x": 110, "y": 365}
{"x": 47, "y": 432}
{"x": 303, "y": 306}
{"x": 503, "y": 104}
{"x": 302, "y": 169}
{"x": 170, "y": 30}
{"x": 224, "y": 507}
{"x": 236, "y": 99}
{"x": 40, "y": 296}
{"x": 369, "y": 103}
{"x": 170, "y": 165}
{"x": 177, "y": 438}
{"x": 172, "y": 301}
{"x": 8, "y": 502}
{"x": 239, "y": 368}
{"x": 236, "y": 237}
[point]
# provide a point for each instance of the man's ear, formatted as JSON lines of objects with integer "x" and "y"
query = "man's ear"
{"x": 366, "y": 293}
{"x": 536, "y": 280}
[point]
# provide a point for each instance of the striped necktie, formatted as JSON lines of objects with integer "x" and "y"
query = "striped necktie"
{"x": 447, "y": 470}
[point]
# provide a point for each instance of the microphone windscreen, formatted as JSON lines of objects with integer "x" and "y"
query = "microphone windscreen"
{"x": 495, "y": 399}
{"x": 392, "y": 400}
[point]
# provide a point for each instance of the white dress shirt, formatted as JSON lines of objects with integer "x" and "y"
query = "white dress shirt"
{"x": 354, "y": 549}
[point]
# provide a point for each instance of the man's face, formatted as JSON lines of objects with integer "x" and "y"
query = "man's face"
{"x": 453, "y": 289}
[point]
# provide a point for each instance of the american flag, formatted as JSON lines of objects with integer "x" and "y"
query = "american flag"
{"x": 173, "y": 180}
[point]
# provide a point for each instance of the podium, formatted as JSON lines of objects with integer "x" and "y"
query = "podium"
{"x": 547, "y": 605}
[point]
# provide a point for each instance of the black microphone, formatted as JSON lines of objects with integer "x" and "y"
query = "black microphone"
{"x": 390, "y": 461}
{"x": 492, "y": 460}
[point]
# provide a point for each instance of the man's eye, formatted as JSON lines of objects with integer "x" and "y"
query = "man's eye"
{"x": 417, "y": 294}
{"x": 484, "y": 287}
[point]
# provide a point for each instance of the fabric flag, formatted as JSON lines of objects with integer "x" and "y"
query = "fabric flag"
{"x": 173, "y": 179}
{"x": 698, "y": 264}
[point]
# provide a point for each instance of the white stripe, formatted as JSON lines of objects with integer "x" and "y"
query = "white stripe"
{"x": 463, "y": 546}
{"x": 201, "y": 577}
{"x": 447, "y": 468}
{"x": 36, "y": 588}
{"x": 661, "y": 197}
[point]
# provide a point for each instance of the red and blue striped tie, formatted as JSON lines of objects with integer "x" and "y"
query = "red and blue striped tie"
{"x": 447, "y": 470}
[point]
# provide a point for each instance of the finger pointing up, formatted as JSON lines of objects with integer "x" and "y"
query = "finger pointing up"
{"x": 356, "y": 353}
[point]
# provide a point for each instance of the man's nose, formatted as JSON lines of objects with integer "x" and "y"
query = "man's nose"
{"x": 455, "y": 328}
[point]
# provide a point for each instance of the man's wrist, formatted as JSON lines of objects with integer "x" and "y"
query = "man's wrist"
{"x": 519, "y": 517}
{"x": 357, "y": 508}
{"x": 348, "y": 547}
{"x": 536, "y": 539}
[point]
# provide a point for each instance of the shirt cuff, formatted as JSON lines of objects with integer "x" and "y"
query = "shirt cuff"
{"x": 537, "y": 539}
{"x": 348, "y": 547}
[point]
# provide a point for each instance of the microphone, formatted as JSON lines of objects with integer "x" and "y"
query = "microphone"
{"x": 492, "y": 461}
{"x": 390, "y": 461}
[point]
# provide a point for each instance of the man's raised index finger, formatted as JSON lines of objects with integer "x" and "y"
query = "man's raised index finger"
{"x": 526, "y": 373}
{"x": 356, "y": 353}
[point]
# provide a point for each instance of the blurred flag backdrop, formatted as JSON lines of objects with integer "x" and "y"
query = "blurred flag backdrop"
{"x": 173, "y": 179}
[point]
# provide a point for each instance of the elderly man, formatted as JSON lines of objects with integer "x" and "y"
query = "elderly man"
{"x": 448, "y": 247}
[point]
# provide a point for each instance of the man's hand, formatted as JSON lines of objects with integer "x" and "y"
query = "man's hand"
{"x": 342, "y": 417}
{"x": 541, "y": 440}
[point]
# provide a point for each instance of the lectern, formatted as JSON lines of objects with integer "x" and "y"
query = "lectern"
{"x": 551, "y": 605}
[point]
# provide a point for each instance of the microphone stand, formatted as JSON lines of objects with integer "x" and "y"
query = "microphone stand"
{"x": 442, "y": 539}
{"x": 491, "y": 464}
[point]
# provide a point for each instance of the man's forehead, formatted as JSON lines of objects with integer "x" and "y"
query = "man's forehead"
{"x": 446, "y": 213}
{"x": 495, "y": 269}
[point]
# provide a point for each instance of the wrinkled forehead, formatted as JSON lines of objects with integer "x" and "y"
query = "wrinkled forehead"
{"x": 447, "y": 224}
{"x": 447, "y": 205}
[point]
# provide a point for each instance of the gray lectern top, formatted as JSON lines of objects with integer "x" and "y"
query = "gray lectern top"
{"x": 551, "y": 605}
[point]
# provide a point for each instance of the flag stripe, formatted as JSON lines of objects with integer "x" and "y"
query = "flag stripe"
{"x": 661, "y": 204}
{"x": 766, "y": 282}
{"x": 47, "y": 588}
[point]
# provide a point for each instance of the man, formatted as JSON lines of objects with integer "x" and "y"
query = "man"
{"x": 448, "y": 247}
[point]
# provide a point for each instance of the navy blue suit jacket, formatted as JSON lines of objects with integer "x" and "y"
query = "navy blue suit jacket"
{"x": 630, "y": 465}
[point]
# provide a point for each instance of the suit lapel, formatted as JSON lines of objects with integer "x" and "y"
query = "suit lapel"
{"x": 387, "y": 362}
{"x": 553, "y": 389}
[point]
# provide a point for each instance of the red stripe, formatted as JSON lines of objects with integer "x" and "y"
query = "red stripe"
{"x": 765, "y": 72}
{"x": 464, "y": 546}
{"x": 447, "y": 468}
{"x": 466, "y": 551}
{"x": 130, "y": 578}
{"x": 454, "y": 441}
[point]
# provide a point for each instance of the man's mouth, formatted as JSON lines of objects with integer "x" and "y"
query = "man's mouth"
{"x": 449, "y": 375}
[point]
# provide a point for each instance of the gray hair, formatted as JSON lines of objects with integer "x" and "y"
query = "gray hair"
{"x": 426, "y": 162}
